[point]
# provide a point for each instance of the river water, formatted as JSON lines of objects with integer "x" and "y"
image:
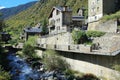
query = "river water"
{"x": 21, "y": 70}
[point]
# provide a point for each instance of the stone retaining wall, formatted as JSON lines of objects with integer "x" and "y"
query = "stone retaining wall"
{"x": 108, "y": 26}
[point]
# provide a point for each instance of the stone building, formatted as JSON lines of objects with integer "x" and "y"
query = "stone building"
{"x": 31, "y": 31}
{"x": 61, "y": 20}
{"x": 98, "y": 8}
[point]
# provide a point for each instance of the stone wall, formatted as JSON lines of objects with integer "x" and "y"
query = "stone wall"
{"x": 109, "y": 26}
{"x": 87, "y": 63}
{"x": 109, "y": 42}
{"x": 59, "y": 39}
{"x": 95, "y": 64}
{"x": 63, "y": 42}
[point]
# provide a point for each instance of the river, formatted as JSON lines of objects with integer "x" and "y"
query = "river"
{"x": 21, "y": 70}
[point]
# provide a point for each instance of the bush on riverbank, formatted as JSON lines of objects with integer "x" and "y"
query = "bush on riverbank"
{"x": 29, "y": 51}
{"x": 53, "y": 61}
{"x": 4, "y": 75}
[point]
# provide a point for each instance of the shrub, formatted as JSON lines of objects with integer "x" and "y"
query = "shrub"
{"x": 29, "y": 51}
{"x": 94, "y": 33}
{"x": 79, "y": 36}
{"x": 4, "y": 75}
{"x": 111, "y": 16}
{"x": 116, "y": 67}
{"x": 53, "y": 61}
{"x": 31, "y": 40}
{"x": 89, "y": 77}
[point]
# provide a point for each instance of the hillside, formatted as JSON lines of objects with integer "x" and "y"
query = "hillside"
{"x": 39, "y": 12}
{"x": 8, "y": 12}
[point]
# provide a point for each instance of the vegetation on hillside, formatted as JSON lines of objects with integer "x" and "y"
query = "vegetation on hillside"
{"x": 4, "y": 75}
{"x": 111, "y": 17}
{"x": 8, "y": 12}
{"x": 38, "y": 13}
{"x": 94, "y": 34}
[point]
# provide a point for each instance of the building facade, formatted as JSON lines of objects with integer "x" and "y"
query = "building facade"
{"x": 98, "y": 8}
{"x": 60, "y": 18}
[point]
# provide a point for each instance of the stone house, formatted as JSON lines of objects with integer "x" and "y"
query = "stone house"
{"x": 96, "y": 10}
{"x": 78, "y": 21}
{"x": 61, "y": 20}
{"x": 31, "y": 31}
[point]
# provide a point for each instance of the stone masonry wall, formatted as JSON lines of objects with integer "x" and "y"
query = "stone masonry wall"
{"x": 109, "y": 42}
{"x": 95, "y": 64}
{"x": 60, "y": 39}
{"x": 109, "y": 26}
{"x": 87, "y": 63}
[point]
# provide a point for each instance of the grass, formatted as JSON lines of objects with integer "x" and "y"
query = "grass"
{"x": 111, "y": 16}
{"x": 88, "y": 43}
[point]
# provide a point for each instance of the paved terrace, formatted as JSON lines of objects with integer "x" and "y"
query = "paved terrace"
{"x": 84, "y": 49}
{"x": 109, "y": 45}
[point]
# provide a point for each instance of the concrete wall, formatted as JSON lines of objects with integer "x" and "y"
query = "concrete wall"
{"x": 95, "y": 64}
{"x": 109, "y": 26}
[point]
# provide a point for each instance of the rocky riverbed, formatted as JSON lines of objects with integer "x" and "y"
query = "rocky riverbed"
{"x": 21, "y": 70}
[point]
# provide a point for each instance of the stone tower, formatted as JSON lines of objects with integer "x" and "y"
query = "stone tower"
{"x": 98, "y": 8}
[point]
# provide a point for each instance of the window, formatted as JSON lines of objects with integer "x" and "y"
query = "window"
{"x": 97, "y": 1}
{"x": 57, "y": 12}
{"x": 58, "y": 27}
{"x": 97, "y": 8}
{"x": 58, "y": 20}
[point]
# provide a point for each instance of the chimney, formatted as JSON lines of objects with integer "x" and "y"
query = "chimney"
{"x": 65, "y": 8}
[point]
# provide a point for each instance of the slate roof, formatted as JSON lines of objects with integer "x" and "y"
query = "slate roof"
{"x": 60, "y": 8}
{"x": 33, "y": 30}
{"x": 78, "y": 18}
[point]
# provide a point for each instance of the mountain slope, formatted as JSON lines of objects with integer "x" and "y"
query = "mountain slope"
{"x": 8, "y": 12}
{"x": 38, "y": 12}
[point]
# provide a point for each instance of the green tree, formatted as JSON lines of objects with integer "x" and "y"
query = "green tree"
{"x": 79, "y": 36}
{"x": 44, "y": 27}
{"x": 29, "y": 51}
{"x": 1, "y": 29}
